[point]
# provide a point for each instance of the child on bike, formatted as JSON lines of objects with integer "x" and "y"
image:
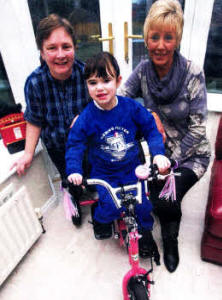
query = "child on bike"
{"x": 109, "y": 127}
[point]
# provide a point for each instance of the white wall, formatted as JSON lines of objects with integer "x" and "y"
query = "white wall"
{"x": 17, "y": 46}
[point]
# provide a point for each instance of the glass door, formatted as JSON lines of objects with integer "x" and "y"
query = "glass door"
{"x": 139, "y": 12}
{"x": 98, "y": 24}
{"x": 84, "y": 15}
{"x": 117, "y": 26}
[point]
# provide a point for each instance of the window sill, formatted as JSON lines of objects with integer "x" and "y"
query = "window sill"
{"x": 7, "y": 159}
{"x": 214, "y": 102}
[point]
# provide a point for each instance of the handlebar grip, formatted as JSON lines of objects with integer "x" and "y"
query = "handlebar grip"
{"x": 154, "y": 171}
{"x": 174, "y": 163}
{"x": 65, "y": 183}
{"x": 142, "y": 172}
{"x": 84, "y": 182}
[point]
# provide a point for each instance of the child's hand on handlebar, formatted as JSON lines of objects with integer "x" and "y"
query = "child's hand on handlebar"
{"x": 162, "y": 163}
{"x": 75, "y": 178}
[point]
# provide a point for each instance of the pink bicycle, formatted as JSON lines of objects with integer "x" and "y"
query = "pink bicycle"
{"x": 136, "y": 282}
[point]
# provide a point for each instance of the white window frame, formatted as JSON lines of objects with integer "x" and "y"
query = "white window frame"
{"x": 117, "y": 12}
{"x": 197, "y": 16}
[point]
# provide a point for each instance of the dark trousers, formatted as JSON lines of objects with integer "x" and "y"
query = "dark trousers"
{"x": 170, "y": 211}
{"x": 58, "y": 158}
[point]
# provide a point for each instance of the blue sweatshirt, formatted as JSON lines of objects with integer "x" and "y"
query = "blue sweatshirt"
{"x": 110, "y": 136}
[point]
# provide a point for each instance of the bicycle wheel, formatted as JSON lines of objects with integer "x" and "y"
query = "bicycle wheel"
{"x": 77, "y": 219}
{"x": 137, "y": 290}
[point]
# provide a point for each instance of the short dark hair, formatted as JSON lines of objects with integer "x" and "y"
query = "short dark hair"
{"x": 102, "y": 65}
{"x": 50, "y": 23}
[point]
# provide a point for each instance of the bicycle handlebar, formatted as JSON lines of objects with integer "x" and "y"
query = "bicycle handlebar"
{"x": 114, "y": 191}
{"x": 153, "y": 174}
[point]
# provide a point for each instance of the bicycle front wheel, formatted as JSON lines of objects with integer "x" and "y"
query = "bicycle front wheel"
{"x": 137, "y": 290}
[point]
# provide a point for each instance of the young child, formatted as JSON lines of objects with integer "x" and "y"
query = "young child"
{"x": 108, "y": 127}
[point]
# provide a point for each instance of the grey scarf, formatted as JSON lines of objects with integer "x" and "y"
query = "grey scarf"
{"x": 164, "y": 91}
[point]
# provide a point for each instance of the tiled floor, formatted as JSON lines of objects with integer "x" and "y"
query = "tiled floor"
{"x": 69, "y": 264}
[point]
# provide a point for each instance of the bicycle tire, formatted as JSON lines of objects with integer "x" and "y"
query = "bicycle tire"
{"x": 77, "y": 220}
{"x": 137, "y": 290}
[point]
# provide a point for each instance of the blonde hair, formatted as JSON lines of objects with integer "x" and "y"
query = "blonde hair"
{"x": 165, "y": 13}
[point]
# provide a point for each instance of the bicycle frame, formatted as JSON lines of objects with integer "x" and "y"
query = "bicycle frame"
{"x": 132, "y": 231}
{"x": 135, "y": 270}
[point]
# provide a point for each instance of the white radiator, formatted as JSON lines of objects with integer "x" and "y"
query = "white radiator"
{"x": 19, "y": 228}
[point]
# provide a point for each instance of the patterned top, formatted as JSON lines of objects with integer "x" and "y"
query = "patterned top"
{"x": 53, "y": 104}
{"x": 184, "y": 118}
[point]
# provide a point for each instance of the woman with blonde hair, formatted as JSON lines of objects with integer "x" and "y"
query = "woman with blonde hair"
{"x": 174, "y": 88}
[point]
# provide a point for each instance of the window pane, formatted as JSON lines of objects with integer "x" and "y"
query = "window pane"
{"x": 5, "y": 89}
{"x": 84, "y": 15}
{"x": 140, "y": 9}
{"x": 213, "y": 59}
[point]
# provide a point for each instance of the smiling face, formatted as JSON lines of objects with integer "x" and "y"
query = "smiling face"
{"x": 58, "y": 52}
{"x": 103, "y": 90}
{"x": 161, "y": 43}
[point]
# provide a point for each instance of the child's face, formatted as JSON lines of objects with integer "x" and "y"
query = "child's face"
{"x": 103, "y": 91}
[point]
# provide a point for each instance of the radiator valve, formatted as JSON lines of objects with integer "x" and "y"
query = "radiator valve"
{"x": 40, "y": 218}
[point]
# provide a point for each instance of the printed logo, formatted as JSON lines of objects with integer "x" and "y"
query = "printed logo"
{"x": 116, "y": 145}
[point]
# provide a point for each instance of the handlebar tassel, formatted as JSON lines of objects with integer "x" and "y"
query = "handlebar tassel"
{"x": 169, "y": 189}
{"x": 69, "y": 208}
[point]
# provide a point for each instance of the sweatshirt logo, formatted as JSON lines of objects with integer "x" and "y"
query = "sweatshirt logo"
{"x": 116, "y": 145}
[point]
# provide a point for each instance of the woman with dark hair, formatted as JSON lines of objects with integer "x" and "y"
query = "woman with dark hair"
{"x": 55, "y": 94}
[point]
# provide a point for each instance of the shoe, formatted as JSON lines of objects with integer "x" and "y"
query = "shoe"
{"x": 102, "y": 231}
{"x": 170, "y": 245}
{"x": 171, "y": 254}
{"x": 148, "y": 247}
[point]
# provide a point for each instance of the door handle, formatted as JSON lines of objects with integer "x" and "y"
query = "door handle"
{"x": 126, "y": 41}
{"x": 110, "y": 38}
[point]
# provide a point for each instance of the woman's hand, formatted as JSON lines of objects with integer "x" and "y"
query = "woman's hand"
{"x": 32, "y": 137}
{"x": 75, "y": 178}
{"x": 159, "y": 125}
{"x": 162, "y": 163}
{"x": 22, "y": 163}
